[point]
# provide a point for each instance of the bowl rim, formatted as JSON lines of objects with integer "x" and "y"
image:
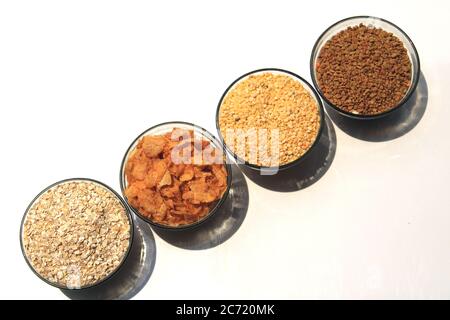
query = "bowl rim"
{"x": 211, "y": 212}
{"x": 125, "y": 256}
{"x": 414, "y": 76}
{"x": 320, "y": 108}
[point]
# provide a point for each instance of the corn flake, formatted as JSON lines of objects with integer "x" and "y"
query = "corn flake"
{"x": 175, "y": 179}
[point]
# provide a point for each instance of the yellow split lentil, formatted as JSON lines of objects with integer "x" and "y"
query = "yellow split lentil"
{"x": 270, "y": 101}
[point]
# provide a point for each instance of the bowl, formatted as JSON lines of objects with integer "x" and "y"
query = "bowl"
{"x": 371, "y": 22}
{"x": 265, "y": 170}
{"x": 125, "y": 256}
{"x": 161, "y": 129}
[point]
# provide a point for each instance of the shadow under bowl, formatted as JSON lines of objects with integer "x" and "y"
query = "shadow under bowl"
{"x": 307, "y": 172}
{"x": 390, "y": 127}
{"x": 221, "y": 227}
{"x": 132, "y": 276}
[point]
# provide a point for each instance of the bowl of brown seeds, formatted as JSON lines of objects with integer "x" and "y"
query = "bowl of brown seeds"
{"x": 76, "y": 234}
{"x": 365, "y": 67}
{"x": 269, "y": 119}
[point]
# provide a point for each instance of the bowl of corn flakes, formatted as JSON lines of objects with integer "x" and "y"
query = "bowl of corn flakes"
{"x": 175, "y": 175}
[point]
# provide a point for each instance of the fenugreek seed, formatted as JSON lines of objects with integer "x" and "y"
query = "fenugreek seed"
{"x": 364, "y": 70}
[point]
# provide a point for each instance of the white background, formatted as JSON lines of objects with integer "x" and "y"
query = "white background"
{"x": 80, "y": 79}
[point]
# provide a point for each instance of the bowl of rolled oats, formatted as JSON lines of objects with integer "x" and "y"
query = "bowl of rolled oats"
{"x": 269, "y": 119}
{"x": 76, "y": 233}
{"x": 175, "y": 175}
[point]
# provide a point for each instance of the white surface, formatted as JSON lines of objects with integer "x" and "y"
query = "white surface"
{"x": 79, "y": 80}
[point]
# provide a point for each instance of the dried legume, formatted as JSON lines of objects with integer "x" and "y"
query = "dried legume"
{"x": 270, "y": 101}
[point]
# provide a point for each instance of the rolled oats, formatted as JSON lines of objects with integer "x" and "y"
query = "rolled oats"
{"x": 76, "y": 233}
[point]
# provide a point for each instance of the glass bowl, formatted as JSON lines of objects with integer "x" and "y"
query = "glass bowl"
{"x": 125, "y": 256}
{"x": 309, "y": 88}
{"x": 161, "y": 129}
{"x": 370, "y": 22}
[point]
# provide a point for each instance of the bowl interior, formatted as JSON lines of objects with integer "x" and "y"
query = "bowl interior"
{"x": 371, "y": 22}
{"x": 163, "y": 129}
{"x": 310, "y": 89}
